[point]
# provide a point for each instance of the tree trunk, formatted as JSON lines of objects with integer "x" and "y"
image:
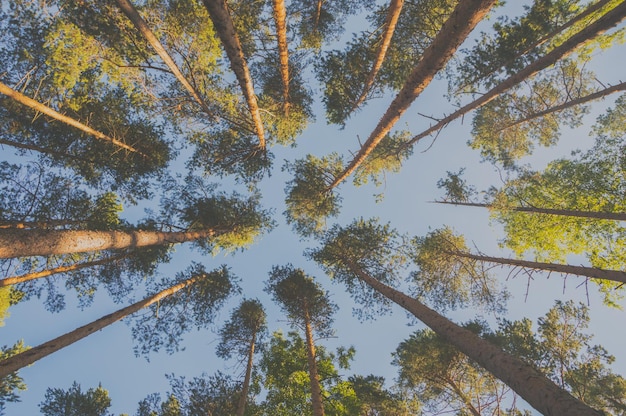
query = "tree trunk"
{"x": 37, "y": 106}
{"x": 25, "y": 243}
{"x": 529, "y": 383}
{"x": 134, "y": 16}
{"x": 218, "y": 10}
{"x": 18, "y": 361}
{"x": 241, "y": 406}
{"x": 316, "y": 391}
{"x": 13, "y": 280}
{"x": 318, "y": 15}
{"x": 280, "y": 19}
{"x": 466, "y": 400}
{"x": 591, "y": 272}
{"x": 609, "y": 20}
{"x": 393, "y": 13}
{"x": 598, "y": 215}
{"x": 463, "y": 19}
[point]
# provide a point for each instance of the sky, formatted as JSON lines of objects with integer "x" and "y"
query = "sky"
{"x": 107, "y": 358}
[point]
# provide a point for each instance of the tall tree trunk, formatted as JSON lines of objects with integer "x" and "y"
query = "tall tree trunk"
{"x": 616, "y": 216}
{"x": 461, "y": 22}
{"x": 37, "y": 106}
{"x": 14, "y": 363}
{"x": 241, "y": 406}
{"x": 13, "y": 280}
{"x": 591, "y": 272}
{"x": 609, "y": 20}
{"x": 141, "y": 25}
{"x": 280, "y": 19}
{"x": 223, "y": 23}
{"x": 25, "y": 243}
{"x": 318, "y": 15}
{"x": 393, "y": 14}
{"x": 316, "y": 391}
{"x": 529, "y": 383}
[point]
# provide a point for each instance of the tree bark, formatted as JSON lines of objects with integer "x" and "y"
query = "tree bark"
{"x": 609, "y": 20}
{"x": 25, "y": 243}
{"x": 13, "y": 280}
{"x": 393, "y": 14}
{"x": 280, "y": 19}
{"x": 141, "y": 25}
{"x": 18, "y": 361}
{"x": 218, "y": 11}
{"x": 461, "y": 22}
{"x": 241, "y": 406}
{"x": 598, "y": 215}
{"x": 529, "y": 383}
{"x": 316, "y": 391}
{"x": 37, "y": 106}
{"x": 591, "y": 272}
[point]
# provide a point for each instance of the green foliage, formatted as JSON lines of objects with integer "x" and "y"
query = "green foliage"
{"x": 194, "y": 306}
{"x": 456, "y": 188}
{"x": 387, "y": 156}
{"x": 247, "y": 323}
{"x": 11, "y": 384}
{"x": 74, "y": 402}
{"x": 5, "y": 303}
{"x": 451, "y": 281}
{"x": 309, "y": 201}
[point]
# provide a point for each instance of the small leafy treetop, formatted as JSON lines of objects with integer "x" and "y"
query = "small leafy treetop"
{"x": 75, "y": 402}
{"x": 301, "y": 298}
{"x": 247, "y": 323}
{"x": 164, "y": 323}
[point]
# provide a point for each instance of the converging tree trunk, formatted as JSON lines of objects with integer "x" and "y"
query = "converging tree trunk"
{"x": 223, "y": 23}
{"x": 316, "y": 391}
{"x": 28, "y": 357}
{"x": 241, "y": 406}
{"x": 529, "y": 383}
{"x": 453, "y": 32}
{"x": 280, "y": 19}
{"x": 37, "y": 106}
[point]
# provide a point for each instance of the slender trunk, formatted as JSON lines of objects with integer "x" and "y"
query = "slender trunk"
{"x": 529, "y": 383}
{"x": 37, "y": 106}
{"x": 463, "y": 19}
{"x": 218, "y": 10}
{"x": 25, "y": 243}
{"x": 13, "y": 280}
{"x": 280, "y": 19}
{"x": 591, "y": 272}
{"x": 40, "y": 149}
{"x": 318, "y": 15}
{"x": 581, "y": 100}
{"x": 316, "y": 391}
{"x": 466, "y": 400}
{"x": 609, "y": 20}
{"x": 241, "y": 406}
{"x": 141, "y": 25}
{"x": 393, "y": 14}
{"x": 28, "y": 357}
{"x": 616, "y": 216}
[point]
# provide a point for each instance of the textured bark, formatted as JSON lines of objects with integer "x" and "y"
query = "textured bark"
{"x": 606, "y": 22}
{"x": 223, "y": 23}
{"x": 393, "y": 14}
{"x": 25, "y": 243}
{"x": 18, "y": 361}
{"x": 141, "y": 25}
{"x": 529, "y": 383}
{"x": 591, "y": 272}
{"x": 598, "y": 215}
{"x": 13, "y": 280}
{"x": 37, "y": 106}
{"x": 241, "y": 406}
{"x": 461, "y": 22}
{"x": 280, "y": 19}
{"x": 316, "y": 391}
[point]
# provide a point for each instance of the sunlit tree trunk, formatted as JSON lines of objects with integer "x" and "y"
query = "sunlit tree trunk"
{"x": 28, "y": 357}
{"x": 280, "y": 19}
{"x": 609, "y": 20}
{"x": 218, "y": 10}
{"x": 529, "y": 383}
{"x": 25, "y": 243}
{"x": 393, "y": 14}
{"x": 316, "y": 391}
{"x": 37, "y": 106}
{"x": 454, "y": 31}
{"x": 13, "y": 280}
{"x": 141, "y": 25}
